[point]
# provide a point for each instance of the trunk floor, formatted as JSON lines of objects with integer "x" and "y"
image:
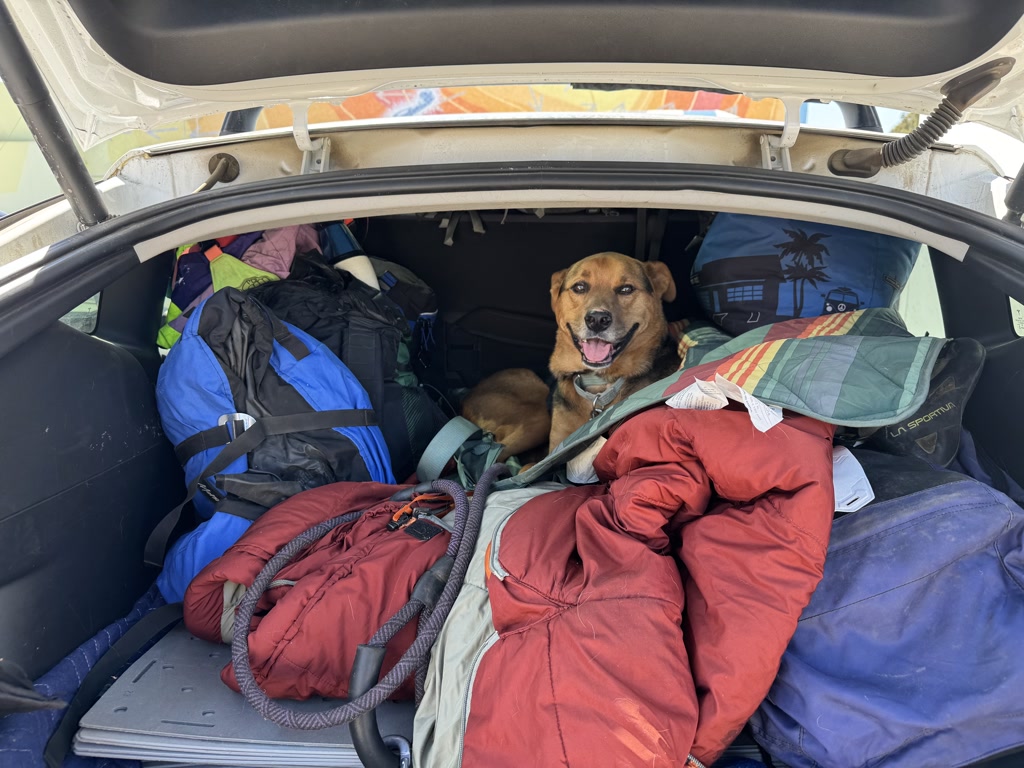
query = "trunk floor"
{"x": 171, "y": 707}
{"x": 171, "y": 710}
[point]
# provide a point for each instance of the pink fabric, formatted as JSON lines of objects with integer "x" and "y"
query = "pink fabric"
{"x": 275, "y": 251}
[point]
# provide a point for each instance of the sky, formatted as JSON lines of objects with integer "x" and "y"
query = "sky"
{"x": 829, "y": 116}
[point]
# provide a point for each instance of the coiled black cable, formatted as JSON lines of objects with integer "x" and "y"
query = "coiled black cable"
{"x": 905, "y": 149}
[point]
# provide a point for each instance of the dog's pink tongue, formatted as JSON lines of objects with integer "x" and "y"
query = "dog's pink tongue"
{"x": 596, "y": 350}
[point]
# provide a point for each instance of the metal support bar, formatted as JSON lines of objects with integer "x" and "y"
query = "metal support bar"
{"x": 775, "y": 149}
{"x": 30, "y": 94}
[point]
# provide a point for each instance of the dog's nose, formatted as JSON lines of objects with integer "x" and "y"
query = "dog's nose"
{"x": 598, "y": 320}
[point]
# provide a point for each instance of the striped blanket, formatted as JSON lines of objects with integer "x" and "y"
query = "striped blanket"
{"x": 855, "y": 369}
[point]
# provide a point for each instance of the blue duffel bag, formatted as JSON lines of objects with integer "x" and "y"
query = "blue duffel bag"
{"x": 909, "y": 653}
{"x": 258, "y": 411}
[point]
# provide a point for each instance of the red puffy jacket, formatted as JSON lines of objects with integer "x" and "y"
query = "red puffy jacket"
{"x": 611, "y": 652}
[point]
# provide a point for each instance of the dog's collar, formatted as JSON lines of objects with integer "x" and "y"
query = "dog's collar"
{"x": 598, "y": 400}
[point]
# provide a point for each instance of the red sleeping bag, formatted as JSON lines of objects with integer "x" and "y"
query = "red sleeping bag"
{"x": 331, "y": 598}
{"x": 609, "y": 652}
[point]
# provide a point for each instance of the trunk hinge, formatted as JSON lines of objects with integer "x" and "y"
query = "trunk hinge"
{"x": 775, "y": 149}
{"x": 316, "y": 153}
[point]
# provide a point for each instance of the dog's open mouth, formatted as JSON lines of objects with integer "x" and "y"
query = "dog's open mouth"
{"x": 599, "y": 353}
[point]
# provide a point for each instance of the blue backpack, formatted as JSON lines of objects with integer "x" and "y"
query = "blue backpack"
{"x": 258, "y": 411}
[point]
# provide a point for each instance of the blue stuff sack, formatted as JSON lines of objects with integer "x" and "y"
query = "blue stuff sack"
{"x": 756, "y": 270}
{"x": 908, "y": 654}
{"x": 258, "y": 411}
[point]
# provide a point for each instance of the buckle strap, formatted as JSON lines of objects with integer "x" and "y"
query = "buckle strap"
{"x": 156, "y": 545}
{"x": 232, "y": 425}
{"x": 213, "y": 437}
{"x": 443, "y": 447}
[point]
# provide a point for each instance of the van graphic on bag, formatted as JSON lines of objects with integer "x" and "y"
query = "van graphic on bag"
{"x": 840, "y": 300}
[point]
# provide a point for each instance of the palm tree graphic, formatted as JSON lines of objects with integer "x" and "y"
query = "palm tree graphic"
{"x": 808, "y": 260}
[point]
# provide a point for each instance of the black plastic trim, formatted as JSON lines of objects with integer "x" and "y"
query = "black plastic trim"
{"x": 860, "y": 117}
{"x": 240, "y": 121}
{"x": 55, "y": 289}
{"x": 131, "y": 312}
{"x": 196, "y": 42}
{"x": 84, "y": 263}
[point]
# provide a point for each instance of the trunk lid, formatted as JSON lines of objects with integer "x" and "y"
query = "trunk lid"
{"x": 117, "y": 65}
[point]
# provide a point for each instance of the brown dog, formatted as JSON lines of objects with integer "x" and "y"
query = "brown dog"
{"x": 612, "y": 337}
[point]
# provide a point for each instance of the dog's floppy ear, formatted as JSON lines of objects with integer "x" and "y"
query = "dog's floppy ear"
{"x": 661, "y": 279}
{"x": 556, "y": 286}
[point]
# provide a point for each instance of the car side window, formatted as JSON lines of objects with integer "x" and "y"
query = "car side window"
{"x": 83, "y": 317}
{"x": 919, "y": 301}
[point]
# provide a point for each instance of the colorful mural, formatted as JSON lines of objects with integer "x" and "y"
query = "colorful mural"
{"x": 527, "y": 98}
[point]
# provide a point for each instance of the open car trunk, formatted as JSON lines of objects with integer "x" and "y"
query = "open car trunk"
{"x": 91, "y": 472}
{"x": 493, "y": 285}
{"x": 779, "y": 624}
{"x": 86, "y": 399}
{"x": 114, "y": 66}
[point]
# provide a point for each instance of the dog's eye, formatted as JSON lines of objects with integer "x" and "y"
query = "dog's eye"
{"x": 579, "y": 287}
{"x": 625, "y": 290}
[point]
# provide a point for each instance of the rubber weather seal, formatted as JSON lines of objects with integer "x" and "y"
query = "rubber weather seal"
{"x": 995, "y": 247}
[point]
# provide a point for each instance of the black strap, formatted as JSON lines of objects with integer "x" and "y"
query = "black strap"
{"x": 287, "y": 339}
{"x": 363, "y": 356}
{"x": 156, "y": 545}
{"x": 202, "y": 441}
{"x": 110, "y": 665}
